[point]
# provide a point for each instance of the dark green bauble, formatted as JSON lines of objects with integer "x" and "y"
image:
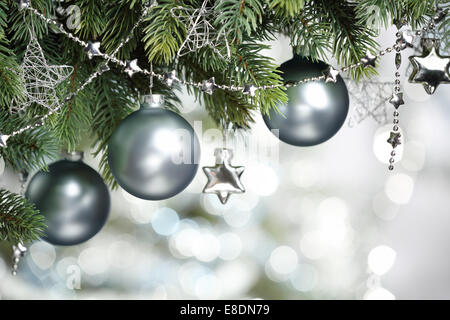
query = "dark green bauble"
{"x": 74, "y": 200}
{"x": 153, "y": 154}
{"x": 315, "y": 110}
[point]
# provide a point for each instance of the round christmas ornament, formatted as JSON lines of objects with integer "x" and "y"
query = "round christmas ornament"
{"x": 73, "y": 198}
{"x": 315, "y": 110}
{"x": 154, "y": 152}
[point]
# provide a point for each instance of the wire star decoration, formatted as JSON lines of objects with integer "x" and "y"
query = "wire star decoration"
{"x": 224, "y": 179}
{"x": 40, "y": 78}
{"x": 369, "y": 99}
{"x": 200, "y": 31}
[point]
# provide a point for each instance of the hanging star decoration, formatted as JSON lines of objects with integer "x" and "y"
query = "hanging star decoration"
{"x": 368, "y": 100}
{"x": 223, "y": 178}
{"x": 40, "y": 79}
{"x": 431, "y": 69}
{"x": 200, "y": 31}
{"x": 394, "y": 139}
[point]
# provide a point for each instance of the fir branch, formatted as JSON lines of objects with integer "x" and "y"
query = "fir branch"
{"x": 19, "y": 220}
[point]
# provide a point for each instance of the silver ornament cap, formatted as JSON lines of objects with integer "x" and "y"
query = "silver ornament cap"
{"x": 152, "y": 101}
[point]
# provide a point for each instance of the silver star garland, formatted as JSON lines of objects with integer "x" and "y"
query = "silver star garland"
{"x": 223, "y": 178}
{"x": 200, "y": 31}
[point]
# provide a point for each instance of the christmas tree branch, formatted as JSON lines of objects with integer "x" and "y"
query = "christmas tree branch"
{"x": 19, "y": 221}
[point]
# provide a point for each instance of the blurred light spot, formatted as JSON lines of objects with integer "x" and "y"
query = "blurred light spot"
{"x": 188, "y": 275}
{"x": 93, "y": 260}
{"x": 206, "y": 247}
{"x": 274, "y": 276}
{"x": 121, "y": 254}
{"x": 283, "y": 260}
{"x": 304, "y": 279}
{"x": 414, "y": 156}
{"x": 382, "y": 149}
{"x": 261, "y": 179}
{"x": 230, "y": 246}
{"x": 43, "y": 254}
{"x": 237, "y": 218}
{"x": 384, "y": 208}
{"x": 313, "y": 245}
{"x": 399, "y": 188}
{"x": 381, "y": 259}
{"x": 207, "y": 287}
{"x": 304, "y": 174}
{"x": 185, "y": 240}
{"x": 333, "y": 208}
{"x": 144, "y": 212}
{"x": 243, "y": 274}
{"x": 165, "y": 221}
{"x": 378, "y": 294}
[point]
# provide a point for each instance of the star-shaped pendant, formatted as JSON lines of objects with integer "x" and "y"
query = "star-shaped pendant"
{"x": 331, "y": 75}
{"x": 40, "y": 78}
{"x": 394, "y": 139}
{"x": 431, "y": 70}
{"x": 93, "y": 49}
{"x": 397, "y": 99}
{"x": 132, "y": 68}
{"x": 223, "y": 178}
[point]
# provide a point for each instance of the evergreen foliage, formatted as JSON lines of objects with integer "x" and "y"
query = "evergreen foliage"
{"x": 318, "y": 28}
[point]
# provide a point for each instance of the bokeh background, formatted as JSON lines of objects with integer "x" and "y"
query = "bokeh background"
{"x": 327, "y": 222}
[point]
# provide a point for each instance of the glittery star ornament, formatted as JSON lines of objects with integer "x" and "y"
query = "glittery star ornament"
{"x": 223, "y": 178}
{"x": 40, "y": 78}
{"x": 394, "y": 139}
{"x": 431, "y": 69}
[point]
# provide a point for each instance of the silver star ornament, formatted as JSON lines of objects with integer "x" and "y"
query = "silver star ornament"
{"x": 223, "y": 178}
{"x": 431, "y": 69}
{"x": 369, "y": 60}
{"x": 331, "y": 75}
{"x": 132, "y": 68}
{"x": 170, "y": 78}
{"x": 93, "y": 49}
{"x": 397, "y": 100}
